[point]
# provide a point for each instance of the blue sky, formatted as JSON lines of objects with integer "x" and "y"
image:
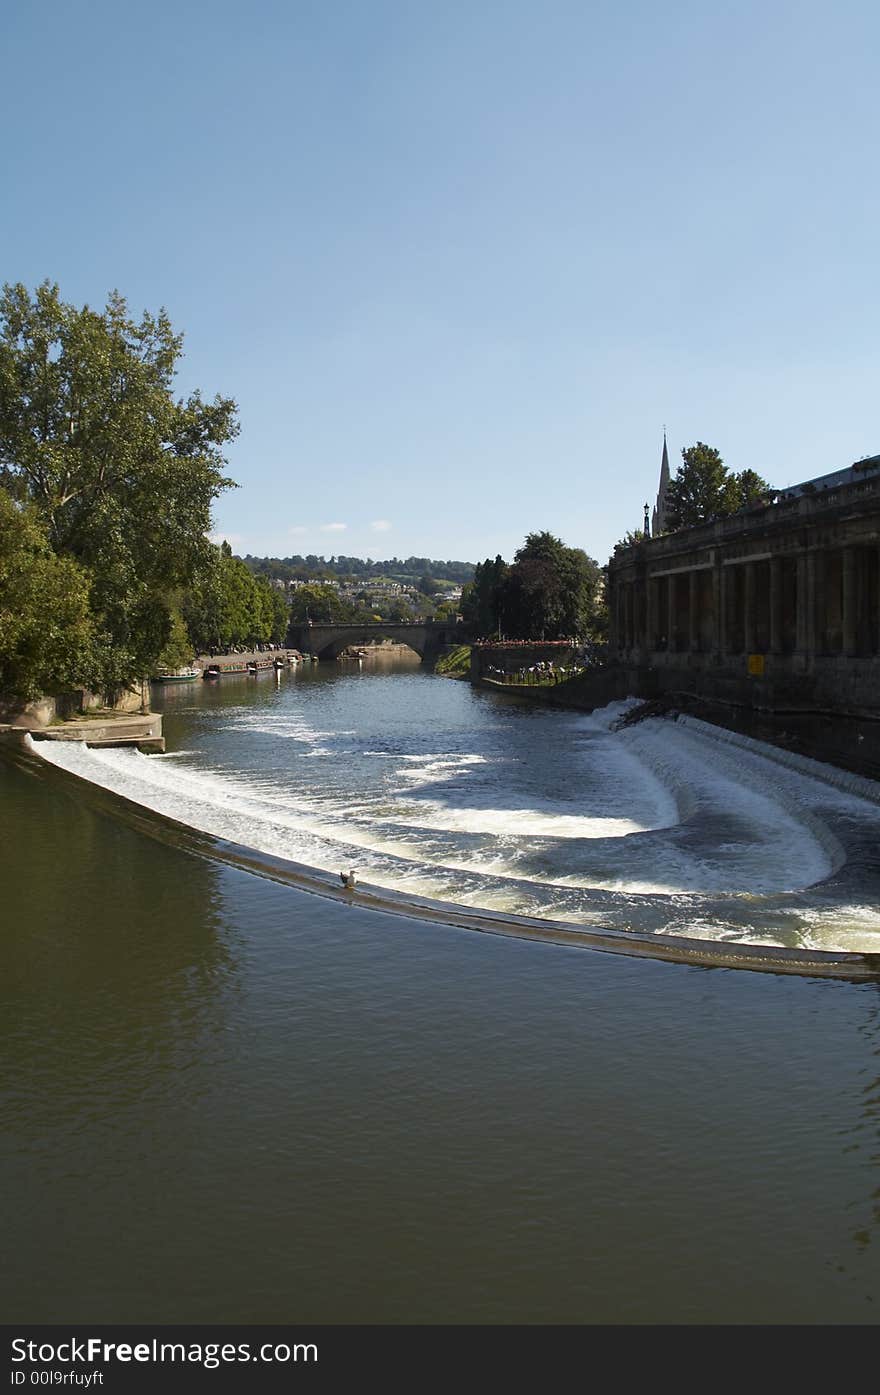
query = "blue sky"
{"x": 459, "y": 263}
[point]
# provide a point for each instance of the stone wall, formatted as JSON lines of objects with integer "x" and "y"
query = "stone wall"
{"x": 776, "y": 607}
{"x": 42, "y": 712}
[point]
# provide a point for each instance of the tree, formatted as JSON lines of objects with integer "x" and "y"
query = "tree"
{"x": 47, "y": 635}
{"x": 630, "y": 539}
{"x": 279, "y": 616}
{"x": 551, "y": 591}
{"x": 703, "y": 488}
{"x": 700, "y": 490}
{"x": 397, "y": 612}
{"x": 121, "y": 474}
{"x": 178, "y": 649}
{"x": 322, "y": 604}
{"x": 481, "y": 599}
{"x": 752, "y": 489}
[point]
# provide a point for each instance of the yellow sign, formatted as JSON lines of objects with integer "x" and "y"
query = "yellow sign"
{"x": 756, "y": 665}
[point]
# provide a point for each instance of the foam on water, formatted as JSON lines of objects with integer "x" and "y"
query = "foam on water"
{"x": 666, "y": 827}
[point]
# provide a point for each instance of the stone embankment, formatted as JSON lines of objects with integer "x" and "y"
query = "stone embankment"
{"x": 84, "y": 716}
{"x": 849, "y": 740}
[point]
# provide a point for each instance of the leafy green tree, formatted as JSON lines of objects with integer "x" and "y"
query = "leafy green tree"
{"x": 700, "y": 490}
{"x": 752, "y": 489}
{"x": 321, "y": 604}
{"x": 551, "y": 591}
{"x": 120, "y": 472}
{"x": 204, "y": 607}
{"x": 481, "y": 599}
{"x": 178, "y": 649}
{"x": 279, "y": 615}
{"x": 630, "y": 539}
{"x": 703, "y": 488}
{"x": 398, "y": 612}
{"x": 47, "y": 635}
{"x": 230, "y": 606}
{"x": 445, "y": 612}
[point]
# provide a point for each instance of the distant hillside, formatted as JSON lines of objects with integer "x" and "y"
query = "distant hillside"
{"x": 403, "y": 569}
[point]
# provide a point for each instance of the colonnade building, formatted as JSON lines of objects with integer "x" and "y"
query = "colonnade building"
{"x": 777, "y": 606}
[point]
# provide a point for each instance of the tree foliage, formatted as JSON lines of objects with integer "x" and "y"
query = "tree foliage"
{"x": 630, "y": 539}
{"x": 551, "y": 591}
{"x": 408, "y": 570}
{"x": 229, "y": 606}
{"x": 121, "y": 474}
{"x": 752, "y": 489}
{"x": 47, "y": 634}
{"x": 324, "y": 605}
{"x": 703, "y": 488}
{"x": 481, "y": 599}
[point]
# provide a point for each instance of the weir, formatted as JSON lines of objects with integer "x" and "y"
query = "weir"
{"x": 659, "y": 841}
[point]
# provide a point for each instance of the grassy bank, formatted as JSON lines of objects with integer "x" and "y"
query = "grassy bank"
{"x": 455, "y": 664}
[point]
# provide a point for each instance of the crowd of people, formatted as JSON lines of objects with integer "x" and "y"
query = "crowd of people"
{"x": 545, "y": 671}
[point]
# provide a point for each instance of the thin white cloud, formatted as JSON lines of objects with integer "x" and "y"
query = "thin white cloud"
{"x": 231, "y": 538}
{"x": 333, "y": 527}
{"x": 381, "y": 525}
{"x": 297, "y": 531}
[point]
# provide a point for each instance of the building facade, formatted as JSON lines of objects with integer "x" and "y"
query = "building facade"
{"x": 775, "y": 606}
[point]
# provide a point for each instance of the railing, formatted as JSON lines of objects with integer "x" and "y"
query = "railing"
{"x": 721, "y": 529}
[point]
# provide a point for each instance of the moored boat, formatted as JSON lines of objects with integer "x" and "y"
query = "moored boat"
{"x": 176, "y": 675}
{"x": 217, "y": 670}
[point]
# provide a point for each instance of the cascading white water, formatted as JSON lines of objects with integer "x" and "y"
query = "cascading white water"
{"x": 663, "y": 827}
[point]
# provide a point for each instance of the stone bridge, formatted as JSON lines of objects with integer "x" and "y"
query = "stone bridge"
{"x": 328, "y": 640}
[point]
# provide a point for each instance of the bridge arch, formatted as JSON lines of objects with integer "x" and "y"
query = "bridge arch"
{"x": 327, "y": 640}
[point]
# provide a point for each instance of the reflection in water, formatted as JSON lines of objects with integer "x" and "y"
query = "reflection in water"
{"x": 228, "y": 1101}
{"x": 99, "y": 951}
{"x": 866, "y": 1131}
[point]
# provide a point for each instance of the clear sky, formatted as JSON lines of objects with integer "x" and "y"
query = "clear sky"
{"x": 459, "y": 261}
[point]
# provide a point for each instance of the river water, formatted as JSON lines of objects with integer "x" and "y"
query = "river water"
{"x": 227, "y": 1100}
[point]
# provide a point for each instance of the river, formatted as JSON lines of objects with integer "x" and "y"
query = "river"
{"x": 228, "y": 1100}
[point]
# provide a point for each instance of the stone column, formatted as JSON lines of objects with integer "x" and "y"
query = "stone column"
{"x": 806, "y": 604}
{"x": 800, "y": 642}
{"x": 672, "y": 614}
{"x": 642, "y": 626}
{"x": 850, "y": 602}
{"x": 651, "y": 621}
{"x": 775, "y": 605}
{"x": 694, "y": 612}
{"x": 719, "y": 603}
{"x": 749, "y": 605}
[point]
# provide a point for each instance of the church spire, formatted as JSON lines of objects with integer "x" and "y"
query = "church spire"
{"x": 658, "y": 520}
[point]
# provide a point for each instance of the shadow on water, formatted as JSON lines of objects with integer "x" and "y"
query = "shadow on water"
{"x": 229, "y": 1101}
{"x": 102, "y": 951}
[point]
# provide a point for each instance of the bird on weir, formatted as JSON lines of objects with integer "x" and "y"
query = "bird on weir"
{"x": 348, "y": 879}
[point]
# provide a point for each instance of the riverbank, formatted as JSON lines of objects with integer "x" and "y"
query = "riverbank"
{"x": 87, "y": 717}
{"x": 229, "y": 662}
{"x": 107, "y": 729}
